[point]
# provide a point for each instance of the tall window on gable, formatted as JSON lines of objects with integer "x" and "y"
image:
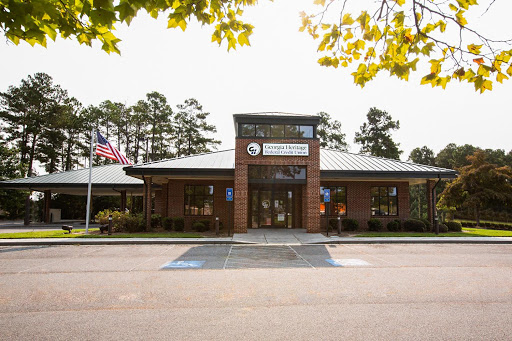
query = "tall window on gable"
{"x": 198, "y": 200}
{"x": 384, "y": 201}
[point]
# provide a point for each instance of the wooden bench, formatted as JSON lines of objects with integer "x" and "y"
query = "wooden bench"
{"x": 68, "y": 228}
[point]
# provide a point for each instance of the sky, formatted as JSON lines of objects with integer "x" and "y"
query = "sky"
{"x": 279, "y": 72}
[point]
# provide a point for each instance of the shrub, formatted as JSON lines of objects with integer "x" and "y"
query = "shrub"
{"x": 135, "y": 223}
{"x": 443, "y": 228}
{"x": 454, "y": 226}
{"x": 179, "y": 224}
{"x": 156, "y": 221}
{"x": 350, "y": 224}
{"x": 414, "y": 225}
{"x": 333, "y": 224}
{"x": 207, "y": 223}
{"x": 102, "y": 217}
{"x": 167, "y": 223}
{"x": 428, "y": 224}
{"x": 199, "y": 227}
{"x": 375, "y": 225}
{"x": 394, "y": 226}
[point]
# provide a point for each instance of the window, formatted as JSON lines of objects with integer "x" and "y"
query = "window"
{"x": 384, "y": 201}
{"x": 277, "y": 130}
{"x": 277, "y": 172}
{"x": 247, "y": 129}
{"x": 262, "y": 130}
{"x": 291, "y": 131}
{"x": 198, "y": 200}
{"x": 306, "y": 132}
{"x": 338, "y": 204}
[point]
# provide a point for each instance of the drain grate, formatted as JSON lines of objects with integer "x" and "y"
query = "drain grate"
{"x": 248, "y": 257}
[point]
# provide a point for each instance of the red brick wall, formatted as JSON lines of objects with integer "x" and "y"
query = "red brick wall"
{"x": 359, "y": 200}
{"x": 310, "y": 197}
{"x": 170, "y": 201}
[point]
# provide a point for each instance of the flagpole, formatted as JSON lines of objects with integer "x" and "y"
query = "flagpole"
{"x": 87, "y": 214}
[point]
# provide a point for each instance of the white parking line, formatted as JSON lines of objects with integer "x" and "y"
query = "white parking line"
{"x": 226, "y": 261}
{"x": 147, "y": 260}
{"x": 365, "y": 253}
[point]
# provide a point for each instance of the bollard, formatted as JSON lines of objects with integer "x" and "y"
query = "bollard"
{"x": 217, "y": 226}
{"x": 110, "y": 224}
{"x": 339, "y": 225}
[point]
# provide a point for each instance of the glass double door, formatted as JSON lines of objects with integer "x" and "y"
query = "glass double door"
{"x": 271, "y": 207}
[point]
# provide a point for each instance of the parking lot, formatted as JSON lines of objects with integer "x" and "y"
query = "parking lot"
{"x": 384, "y": 292}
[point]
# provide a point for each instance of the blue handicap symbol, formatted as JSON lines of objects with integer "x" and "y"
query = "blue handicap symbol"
{"x": 183, "y": 264}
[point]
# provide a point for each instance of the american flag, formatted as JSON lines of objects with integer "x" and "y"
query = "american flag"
{"x": 104, "y": 148}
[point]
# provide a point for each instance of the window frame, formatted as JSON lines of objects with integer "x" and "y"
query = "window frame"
{"x": 193, "y": 198}
{"x": 333, "y": 202}
{"x": 383, "y": 199}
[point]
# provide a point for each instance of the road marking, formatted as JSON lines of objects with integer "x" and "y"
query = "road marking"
{"x": 266, "y": 256}
{"x": 183, "y": 264}
{"x": 147, "y": 260}
{"x": 365, "y": 253}
{"x": 226, "y": 261}
{"x": 347, "y": 262}
{"x": 301, "y": 257}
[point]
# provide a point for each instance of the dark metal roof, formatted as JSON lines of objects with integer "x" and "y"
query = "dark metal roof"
{"x": 108, "y": 178}
{"x": 214, "y": 163}
{"x": 275, "y": 114}
{"x": 333, "y": 164}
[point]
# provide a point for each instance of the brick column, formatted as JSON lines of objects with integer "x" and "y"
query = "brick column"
{"x": 47, "y": 199}
{"x": 123, "y": 201}
{"x": 430, "y": 186}
{"x": 312, "y": 197}
{"x": 147, "y": 200}
{"x": 241, "y": 198}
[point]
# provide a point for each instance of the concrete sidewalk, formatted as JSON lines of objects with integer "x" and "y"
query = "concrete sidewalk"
{"x": 239, "y": 240}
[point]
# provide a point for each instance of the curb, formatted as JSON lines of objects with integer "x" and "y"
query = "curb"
{"x": 169, "y": 241}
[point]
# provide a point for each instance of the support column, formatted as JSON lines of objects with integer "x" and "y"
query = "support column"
{"x": 47, "y": 200}
{"x": 313, "y": 198}
{"x": 430, "y": 207}
{"x": 26, "y": 221}
{"x": 147, "y": 201}
{"x": 123, "y": 201}
{"x": 241, "y": 199}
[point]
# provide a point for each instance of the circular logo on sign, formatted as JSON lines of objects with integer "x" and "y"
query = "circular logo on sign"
{"x": 253, "y": 148}
{"x": 265, "y": 204}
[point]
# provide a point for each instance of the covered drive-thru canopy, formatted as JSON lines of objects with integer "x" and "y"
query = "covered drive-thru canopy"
{"x": 106, "y": 180}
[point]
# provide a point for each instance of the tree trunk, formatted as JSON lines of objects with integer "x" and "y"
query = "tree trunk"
{"x": 419, "y": 201}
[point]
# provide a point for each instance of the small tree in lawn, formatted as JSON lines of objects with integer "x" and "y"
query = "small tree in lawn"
{"x": 479, "y": 185}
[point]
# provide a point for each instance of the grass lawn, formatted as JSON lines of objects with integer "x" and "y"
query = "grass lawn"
{"x": 467, "y": 232}
{"x": 80, "y": 233}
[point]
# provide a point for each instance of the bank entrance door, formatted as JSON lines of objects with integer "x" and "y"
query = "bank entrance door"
{"x": 272, "y": 207}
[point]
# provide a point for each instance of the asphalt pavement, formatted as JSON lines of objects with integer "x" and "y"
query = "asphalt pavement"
{"x": 256, "y": 292}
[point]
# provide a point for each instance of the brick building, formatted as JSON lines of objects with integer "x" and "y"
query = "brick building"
{"x": 279, "y": 174}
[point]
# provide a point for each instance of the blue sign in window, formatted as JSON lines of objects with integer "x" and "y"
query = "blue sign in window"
{"x": 229, "y": 194}
{"x": 327, "y": 195}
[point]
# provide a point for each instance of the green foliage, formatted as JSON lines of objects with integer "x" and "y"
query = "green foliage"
{"x": 422, "y": 156}
{"x": 135, "y": 223}
{"x": 85, "y": 21}
{"x": 330, "y": 134}
{"x": 179, "y": 224}
{"x": 428, "y": 225}
{"x": 375, "y": 138}
{"x": 478, "y": 185}
{"x": 11, "y": 201}
{"x": 350, "y": 224}
{"x": 443, "y": 228}
{"x": 167, "y": 223}
{"x": 156, "y": 221}
{"x": 395, "y": 36}
{"x": 375, "y": 225}
{"x": 414, "y": 225}
{"x": 199, "y": 227}
{"x": 394, "y": 226}
{"x": 119, "y": 219}
{"x": 454, "y": 226}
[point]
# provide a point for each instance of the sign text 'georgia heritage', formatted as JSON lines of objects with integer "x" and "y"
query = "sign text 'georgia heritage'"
{"x": 286, "y": 149}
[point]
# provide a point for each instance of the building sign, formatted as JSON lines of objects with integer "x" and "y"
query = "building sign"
{"x": 253, "y": 148}
{"x": 327, "y": 195}
{"x": 229, "y": 194}
{"x": 286, "y": 149}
